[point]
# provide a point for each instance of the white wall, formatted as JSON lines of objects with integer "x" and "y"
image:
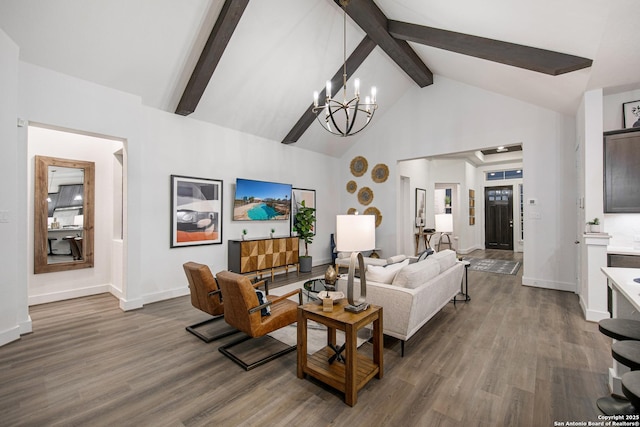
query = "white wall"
{"x": 453, "y": 117}
{"x": 158, "y": 144}
{"x": 183, "y": 146}
{"x": 61, "y": 285}
{"x": 14, "y": 318}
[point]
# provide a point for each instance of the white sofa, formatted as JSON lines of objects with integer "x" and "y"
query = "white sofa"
{"x": 415, "y": 293}
{"x": 344, "y": 259}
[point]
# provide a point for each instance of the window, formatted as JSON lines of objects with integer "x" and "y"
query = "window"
{"x": 506, "y": 174}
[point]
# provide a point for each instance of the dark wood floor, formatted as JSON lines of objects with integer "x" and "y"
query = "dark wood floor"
{"x": 512, "y": 356}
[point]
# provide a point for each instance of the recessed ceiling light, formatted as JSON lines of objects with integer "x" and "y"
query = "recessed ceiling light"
{"x": 501, "y": 149}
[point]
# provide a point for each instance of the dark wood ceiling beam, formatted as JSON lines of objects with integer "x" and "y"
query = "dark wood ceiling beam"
{"x": 354, "y": 60}
{"x": 223, "y": 29}
{"x": 529, "y": 58}
{"x": 370, "y": 18}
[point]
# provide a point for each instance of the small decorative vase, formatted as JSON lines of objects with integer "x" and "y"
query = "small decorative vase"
{"x": 242, "y": 237}
{"x": 330, "y": 276}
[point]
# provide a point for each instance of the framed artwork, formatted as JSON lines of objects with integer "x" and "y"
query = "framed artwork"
{"x": 631, "y": 114}
{"x": 196, "y": 211}
{"x": 421, "y": 200}
{"x": 297, "y": 196}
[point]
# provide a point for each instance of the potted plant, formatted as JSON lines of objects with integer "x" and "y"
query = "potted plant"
{"x": 594, "y": 226}
{"x": 244, "y": 233}
{"x": 273, "y": 230}
{"x": 303, "y": 225}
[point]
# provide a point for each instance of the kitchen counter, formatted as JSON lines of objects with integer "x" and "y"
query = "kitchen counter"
{"x": 625, "y": 304}
{"x": 620, "y": 250}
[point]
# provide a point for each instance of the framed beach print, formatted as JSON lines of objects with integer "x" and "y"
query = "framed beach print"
{"x": 196, "y": 211}
{"x": 297, "y": 196}
{"x": 631, "y": 114}
{"x": 421, "y": 199}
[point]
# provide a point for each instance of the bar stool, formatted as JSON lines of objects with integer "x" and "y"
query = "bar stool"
{"x": 631, "y": 389}
{"x": 620, "y": 329}
{"x": 627, "y": 352}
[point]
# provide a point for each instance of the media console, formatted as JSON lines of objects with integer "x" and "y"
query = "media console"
{"x": 259, "y": 256}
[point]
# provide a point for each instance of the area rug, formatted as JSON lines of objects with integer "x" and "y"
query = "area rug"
{"x": 316, "y": 333}
{"x": 493, "y": 265}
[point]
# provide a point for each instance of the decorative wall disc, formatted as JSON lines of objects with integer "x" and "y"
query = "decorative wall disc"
{"x": 359, "y": 166}
{"x": 351, "y": 211}
{"x": 365, "y": 196}
{"x": 352, "y": 186}
{"x": 380, "y": 173}
{"x": 374, "y": 211}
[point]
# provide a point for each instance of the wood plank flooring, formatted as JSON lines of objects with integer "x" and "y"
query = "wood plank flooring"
{"x": 512, "y": 356}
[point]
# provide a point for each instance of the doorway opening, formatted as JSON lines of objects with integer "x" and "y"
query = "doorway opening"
{"x": 107, "y": 274}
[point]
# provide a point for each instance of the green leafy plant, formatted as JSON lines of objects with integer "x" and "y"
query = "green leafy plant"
{"x": 303, "y": 224}
{"x": 595, "y": 221}
{"x": 244, "y": 231}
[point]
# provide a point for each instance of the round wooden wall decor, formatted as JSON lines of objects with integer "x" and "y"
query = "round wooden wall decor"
{"x": 352, "y": 186}
{"x": 351, "y": 211}
{"x": 359, "y": 166}
{"x": 365, "y": 195}
{"x": 374, "y": 211}
{"x": 380, "y": 173}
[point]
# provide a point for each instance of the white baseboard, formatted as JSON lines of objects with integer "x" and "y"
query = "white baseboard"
{"x": 128, "y": 305}
{"x": 26, "y": 327}
{"x": 468, "y": 250}
{"x": 9, "y": 335}
{"x": 547, "y": 284}
{"x": 65, "y": 295}
{"x": 165, "y": 295}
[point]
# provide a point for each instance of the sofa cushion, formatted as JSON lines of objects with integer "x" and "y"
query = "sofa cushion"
{"x": 415, "y": 275}
{"x": 446, "y": 258}
{"x": 384, "y": 274}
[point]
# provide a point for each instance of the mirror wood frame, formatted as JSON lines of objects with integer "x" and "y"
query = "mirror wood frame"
{"x": 42, "y": 164}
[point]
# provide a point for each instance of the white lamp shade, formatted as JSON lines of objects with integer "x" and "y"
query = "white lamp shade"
{"x": 444, "y": 223}
{"x": 355, "y": 233}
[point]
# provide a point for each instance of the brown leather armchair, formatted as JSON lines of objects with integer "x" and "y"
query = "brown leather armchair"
{"x": 243, "y": 311}
{"x": 205, "y": 296}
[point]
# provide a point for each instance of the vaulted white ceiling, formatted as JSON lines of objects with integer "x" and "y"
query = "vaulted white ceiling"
{"x": 283, "y": 50}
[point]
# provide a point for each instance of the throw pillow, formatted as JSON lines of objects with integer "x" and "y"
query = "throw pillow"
{"x": 446, "y": 258}
{"x": 424, "y": 254}
{"x": 386, "y": 274}
{"x": 262, "y": 298}
{"x": 417, "y": 274}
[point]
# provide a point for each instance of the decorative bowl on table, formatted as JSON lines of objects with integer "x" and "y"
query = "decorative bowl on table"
{"x": 333, "y": 296}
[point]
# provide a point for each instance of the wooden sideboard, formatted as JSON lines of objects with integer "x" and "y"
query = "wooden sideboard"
{"x": 260, "y": 256}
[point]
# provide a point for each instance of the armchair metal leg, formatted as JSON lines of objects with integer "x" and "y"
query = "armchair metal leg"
{"x": 248, "y": 366}
{"x": 206, "y": 338}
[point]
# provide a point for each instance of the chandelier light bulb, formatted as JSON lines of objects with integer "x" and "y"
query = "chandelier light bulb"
{"x": 328, "y": 89}
{"x": 315, "y": 98}
{"x": 356, "y": 85}
{"x": 374, "y": 91}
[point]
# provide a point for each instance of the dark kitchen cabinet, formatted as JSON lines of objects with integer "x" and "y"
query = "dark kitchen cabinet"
{"x": 621, "y": 171}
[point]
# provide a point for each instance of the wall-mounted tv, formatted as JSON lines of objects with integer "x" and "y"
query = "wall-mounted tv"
{"x": 261, "y": 201}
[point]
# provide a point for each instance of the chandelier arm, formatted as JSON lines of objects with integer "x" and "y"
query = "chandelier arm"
{"x": 331, "y": 113}
{"x": 353, "y": 119}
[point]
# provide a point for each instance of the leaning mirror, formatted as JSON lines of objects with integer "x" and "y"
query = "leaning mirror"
{"x": 63, "y": 220}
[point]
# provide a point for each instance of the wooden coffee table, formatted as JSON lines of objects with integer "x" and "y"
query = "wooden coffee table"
{"x": 358, "y": 369}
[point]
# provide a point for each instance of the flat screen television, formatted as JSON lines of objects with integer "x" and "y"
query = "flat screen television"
{"x": 261, "y": 201}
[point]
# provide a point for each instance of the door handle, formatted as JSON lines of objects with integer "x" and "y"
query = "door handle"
{"x": 577, "y": 242}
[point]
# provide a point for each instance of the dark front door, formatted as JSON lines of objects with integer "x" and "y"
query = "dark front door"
{"x": 498, "y": 214}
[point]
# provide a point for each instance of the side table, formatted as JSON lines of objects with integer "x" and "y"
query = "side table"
{"x": 358, "y": 370}
{"x": 465, "y": 292}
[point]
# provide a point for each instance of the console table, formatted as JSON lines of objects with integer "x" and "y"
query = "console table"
{"x": 264, "y": 255}
{"x": 357, "y": 370}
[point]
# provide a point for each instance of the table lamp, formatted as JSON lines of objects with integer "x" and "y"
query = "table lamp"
{"x": 356, "y": 233}
{"x": 444, "y": 226}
